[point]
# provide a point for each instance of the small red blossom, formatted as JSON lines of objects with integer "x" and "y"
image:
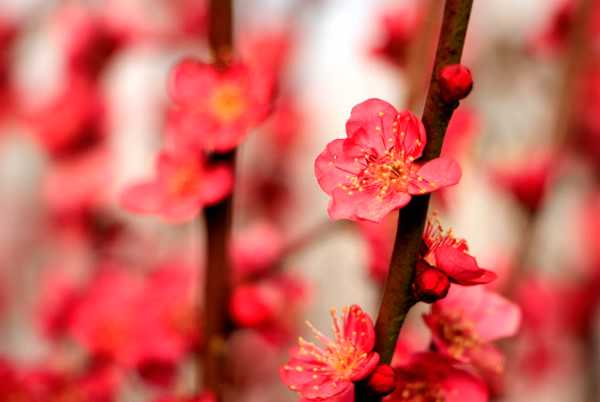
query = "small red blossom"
{"x": 214, "y": 109}
{"x": 464, "y": 324}
{"x": 183, "y": 185}
{"x": 253, "y": 305}
{"x": 433, "y": 377}
{"x": 450, "y": 256}
{"x": 328, "y": 373}
{"x": 375, "y": 170}
{"x": 71, "y": 121}
{"x": 103, "y": 323}
{"x": 527, "y": 180}
{"x": 456, "y": 82}
{"x": 256, "y": 249}
{"x": 169, "y": 300}
{"x": 430, "y": 284}
{"x": 399, "y": 28}
{"x": 383, "y": 380}
{"x": 87, "y": 39}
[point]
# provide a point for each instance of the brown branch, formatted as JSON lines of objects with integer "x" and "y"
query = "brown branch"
{"x": 217, "y": 284}
{"x": 397, "y": 296}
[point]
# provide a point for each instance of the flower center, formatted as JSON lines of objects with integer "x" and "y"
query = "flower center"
{"x": 185, "y": 181}
{"x": 385, "y": 174}
{"x": 459, "y": 334}
{"x": 228, "y": 103}
{"x": 421, "y": 391}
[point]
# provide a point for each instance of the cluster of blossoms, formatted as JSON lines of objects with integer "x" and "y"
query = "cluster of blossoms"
{"x": 371, "y": 173}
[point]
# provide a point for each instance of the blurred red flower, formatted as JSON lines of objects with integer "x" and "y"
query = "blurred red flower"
{"x": 183, "y": 184}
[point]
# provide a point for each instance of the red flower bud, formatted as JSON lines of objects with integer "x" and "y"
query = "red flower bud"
{"x": 383, "y": 380}
{"x": 456, "y": 82}
{"x": 430, "y": 285}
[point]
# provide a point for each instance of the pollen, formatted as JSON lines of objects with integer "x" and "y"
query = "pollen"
{"x": 228, "y": 103}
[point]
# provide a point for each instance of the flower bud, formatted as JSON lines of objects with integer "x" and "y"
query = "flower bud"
{"x": 456, "y": 82}
{"x": 430, "y": 285}
{"x": 383, "y": 380}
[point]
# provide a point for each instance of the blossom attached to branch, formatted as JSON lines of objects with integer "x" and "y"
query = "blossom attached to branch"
{"x": 214, "y": 108}
{"x": 182, "y": 185}
{"x": 375, "y": 170}
{"x": 328, "y": 372}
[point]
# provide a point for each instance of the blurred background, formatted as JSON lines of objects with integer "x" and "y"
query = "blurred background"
{"x": 83, "y": 113}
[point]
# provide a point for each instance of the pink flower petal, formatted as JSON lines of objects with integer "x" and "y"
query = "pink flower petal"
{"x": 332, "y": 167}
{"x": 142, "y": 198}
{"x": 358, "y": 327}
{"x": 367, "y": 368}
{"x": 498, "y": 318}
{"x": 375, "y": 119}
{"x": 181, "y": 210}
{"x": 461, "y": 386}
{"x": 435, "y": 174}
{"x": 217, "y": 183}
{"x": 461, "y": 267}
{"x": 190, "y": 80}
{"x": 410, "y": 135}
{"x": 364, "y": 205}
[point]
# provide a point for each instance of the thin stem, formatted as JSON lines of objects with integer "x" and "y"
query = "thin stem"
{"x": 215, "y": 323}
{"x": 397, "y": 295}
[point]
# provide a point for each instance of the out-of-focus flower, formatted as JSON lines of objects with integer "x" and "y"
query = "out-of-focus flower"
{"x": 528, "y": 180}
{"x": 59, "y": 296}
{"x": 433, "y": 377}
{"x": 214, "y": 108}
{"x": 328, "y": 373}
{"x": 379, "y": 238}
{"x": 8, "y": 34}
{"x": 270, "y": 306}
{"x": 465, "y": 323}
{"x": 266, "y": 52}
{"x": 375, "y": 169}
{"x": 553, "y": 37}
{"x": 78, "y": 184}
{"x": 461, "y": 131}
{"x": 86, "y": 39}
{"x": 71, "y": 121}
{"x": 182, "y": 186}
{"x": 456, "y": 82}
{"x": 168, "y": 320}
{"x": 98, "y": 383}
{"x": 586, "y": 127}
{"x": 104, "y": 322}
{"x": 253, "y": 305}
{"x": 399, "y": 28}
{"x": 256, "y": 249}
{"x": 450, "y": 255}
{"x": 283, "y": 126}
{"x": 203, "y": 397}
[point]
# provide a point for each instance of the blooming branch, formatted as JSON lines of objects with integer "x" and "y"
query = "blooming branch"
{"x": 218, "y": 228}
{"x": 398, "y": 294}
